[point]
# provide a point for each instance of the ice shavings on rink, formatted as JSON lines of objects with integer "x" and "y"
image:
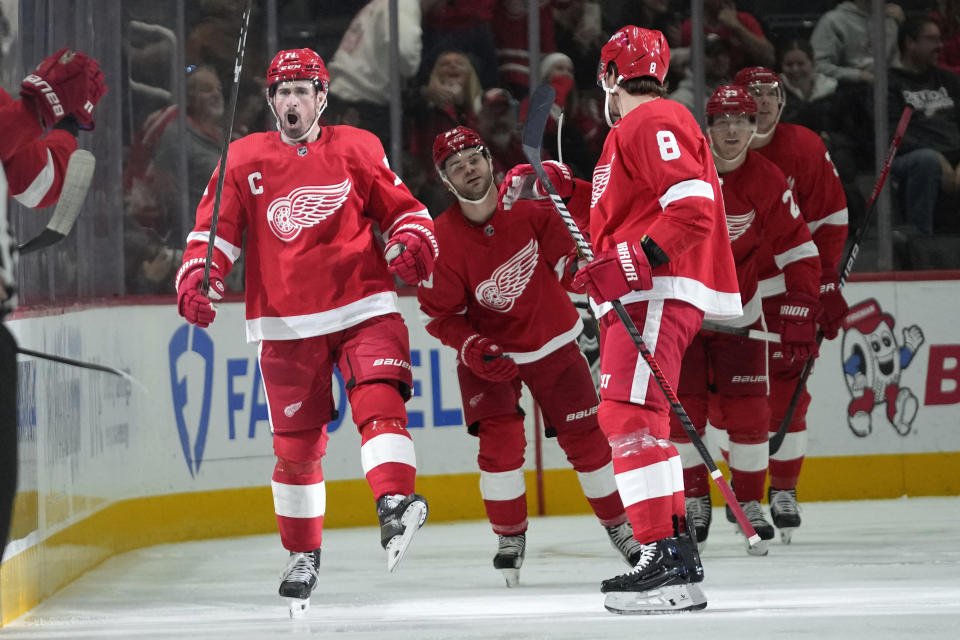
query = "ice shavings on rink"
{"x": 870, "y": 569}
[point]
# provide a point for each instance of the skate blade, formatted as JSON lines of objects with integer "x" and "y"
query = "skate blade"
{"x": 786, "y": 534}
{"x": 669, "y": 599}
{"x": 298, "y": 607}
{"x": 412, "y": 519}
{"x": 512, "y": 577}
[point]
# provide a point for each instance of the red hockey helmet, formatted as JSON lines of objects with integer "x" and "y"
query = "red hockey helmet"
{"x": 450, "y": 142}
{"x": 637, "y": 52}
{"x": 756, "y": 75}
{"x": 297, "y": 64}
{"x": 728, "y": 99}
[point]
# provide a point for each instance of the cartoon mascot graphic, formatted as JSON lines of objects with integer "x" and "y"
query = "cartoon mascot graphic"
{"x": 872, "y": 362}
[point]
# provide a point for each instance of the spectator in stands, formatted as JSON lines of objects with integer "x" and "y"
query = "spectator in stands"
{"x": 948, "y": 19}
{"x": 927, "y": 162}
{"x": 821, "y": 103}
{"x": 583, "y": 127}
{"x": 841, "y": 41}
{"x": 451, "y": 97}
{"x": 497, "y": 124}
{"x": 461, "y": 25}
{"x": 717, "y": 71}
{"x": 360, "y": 75}
{"x": 513, "y": 44}
{"x": 748, "y": 45}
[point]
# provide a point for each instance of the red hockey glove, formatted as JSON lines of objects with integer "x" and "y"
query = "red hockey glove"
{"x": 67, "y": 82}
{"x": 521, "y": 183}
{"x": 411, "y": 252}
{"x": 567, "y": 268}
{"x": 486, "y": 359}
{"x": 834, "y": 307}
{"x": 615, "y": 273}
{"x": 191, "y": 303}
{"x": 798, "y": 326}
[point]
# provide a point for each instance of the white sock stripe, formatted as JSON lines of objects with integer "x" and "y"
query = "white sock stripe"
{"x": 598, "y": 483}
{"x": 387, "y": 447}
{"x": 688, "y": 454}
{"x": 749, "y": 457}
{"x": 794, "y": 446}
{"x": 654, "y": 481}
{"x": 299, "y": 500}
{"x": 502, "y": 485}
{"x": 677, "y": 470}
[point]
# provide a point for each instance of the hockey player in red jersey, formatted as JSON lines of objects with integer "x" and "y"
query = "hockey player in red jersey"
{"x": 725, "y": 376}
{"x": 57, "y": 98}
{"x": 497, "y": 297}
{"x": 805, "y": 161}
{"x": 660, "y": 239}
{"x": 319, "y": 293}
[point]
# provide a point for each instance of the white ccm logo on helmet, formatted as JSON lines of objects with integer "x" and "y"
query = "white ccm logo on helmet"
{"x": 304, "y": 207}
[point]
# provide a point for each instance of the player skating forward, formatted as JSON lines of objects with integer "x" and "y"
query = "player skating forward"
{"x": 497, "y": 297}
{"x": 319, "y": 293}
{"x": 805, "y": 161}
{"x": 660, "y": 239}
{"x": 57, "y": 98}
{"x": 725, "y": 376}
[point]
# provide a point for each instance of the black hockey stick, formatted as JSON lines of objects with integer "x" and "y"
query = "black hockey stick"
{"x": 225, "y": 145}
{"x": 81, "y": 364}
{"x": 777, "y": 439}
{"x": 539, "y": 111}
{"x": 76, "y": 182}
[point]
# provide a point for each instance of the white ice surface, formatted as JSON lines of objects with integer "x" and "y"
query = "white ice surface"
{"x": 871, "y": 569}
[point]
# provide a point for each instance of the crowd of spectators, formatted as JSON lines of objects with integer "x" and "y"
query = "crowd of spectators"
{"x": 465, "y": 62}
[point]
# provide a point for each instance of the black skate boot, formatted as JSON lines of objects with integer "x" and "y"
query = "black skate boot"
{"x": 663, "y": 580}
{"x": 299, "y": 579}
{"x": 400, "y": 519}
{"x": 785, "y": 511}
{"x": 509, "y": 558}
{"x": 621, "y": 536}
{"x": 699, "y": 515}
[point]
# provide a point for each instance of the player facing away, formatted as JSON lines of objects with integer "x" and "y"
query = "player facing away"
{"x": 804, "y": 160}
{"x": 660, "y": 239}
{"x": 497, "y": 297}
{"x": 319, "y": 293}
{"x": 56, "y": 99}
{"x": 723, "y": 376}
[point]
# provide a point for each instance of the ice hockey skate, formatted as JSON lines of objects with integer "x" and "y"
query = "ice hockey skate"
{"x": 785, "y": 512}
{"x": 400, "y": 519}
{"x": 699, "y": 515}
{"x": 298, "y": 581}
{"x": 509, "y": 558}
{"x": 663, "y": 581}
{"x": 621, "y": 536}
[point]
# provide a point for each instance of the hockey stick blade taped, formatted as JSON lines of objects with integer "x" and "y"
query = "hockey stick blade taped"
{"x": 76, "y": 182}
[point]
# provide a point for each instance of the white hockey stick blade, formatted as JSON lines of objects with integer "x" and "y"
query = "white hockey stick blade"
{"x": 669, "y": 599}
{"x": 412, "y": 519}
{"x": 76, "y": 182}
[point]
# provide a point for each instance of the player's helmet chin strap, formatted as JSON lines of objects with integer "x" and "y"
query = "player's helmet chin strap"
{"x": 781, "y": 101}
{"x": 608, "y": 91}
{"x": 320, "y": 111}
{"x": 453, "y": 189}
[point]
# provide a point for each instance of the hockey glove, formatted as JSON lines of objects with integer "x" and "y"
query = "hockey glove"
{"x": 521, "y": 183}
{"x": 67, "y": 82}
{"x": 615, "y": 273}
{"x": 486, "y": 359}
{"x": 191, "y": 303}
{"x": 411, "y": 252}
{"x": 798, "y": 326}
{"x": 566, "y": 270}
{"x": 834, "y": 307}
